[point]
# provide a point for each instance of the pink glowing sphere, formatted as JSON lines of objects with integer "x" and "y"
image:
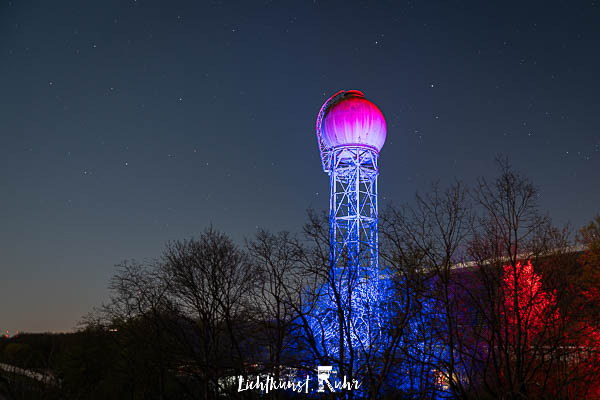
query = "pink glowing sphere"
{"x": 353, "y": 120}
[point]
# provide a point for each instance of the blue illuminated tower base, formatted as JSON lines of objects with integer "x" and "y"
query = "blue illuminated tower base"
{"x": 349, "y": 305}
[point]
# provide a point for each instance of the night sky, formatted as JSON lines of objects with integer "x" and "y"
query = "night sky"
{"x": 125, "y": 124}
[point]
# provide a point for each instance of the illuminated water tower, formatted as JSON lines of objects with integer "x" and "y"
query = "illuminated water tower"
{"x": 351, "y": 131}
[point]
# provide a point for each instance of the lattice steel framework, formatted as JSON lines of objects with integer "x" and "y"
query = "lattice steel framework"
{"x": 353, "y": 208}
{"x": 354, "y": 273}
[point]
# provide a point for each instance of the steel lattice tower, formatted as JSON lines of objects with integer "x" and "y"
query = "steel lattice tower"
{"x": 350, "y": 132}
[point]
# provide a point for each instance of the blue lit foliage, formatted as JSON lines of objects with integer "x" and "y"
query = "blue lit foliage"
{"x": 385, "y": 321}
{"x": 349, "y": 318}
{"x": 421, "y": 373}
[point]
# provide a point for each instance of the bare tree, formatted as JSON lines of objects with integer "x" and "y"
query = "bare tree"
{"x": 209, "y": 281}
{"x": 424, "y": 243}
{"x": 137, "y": 312}
{"x": 276, "y": 259}
{"x": 518, "y": 301}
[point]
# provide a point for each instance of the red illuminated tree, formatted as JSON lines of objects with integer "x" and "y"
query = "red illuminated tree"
{"x": 528, "y": 309}
{"x": 516, "y": 337}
